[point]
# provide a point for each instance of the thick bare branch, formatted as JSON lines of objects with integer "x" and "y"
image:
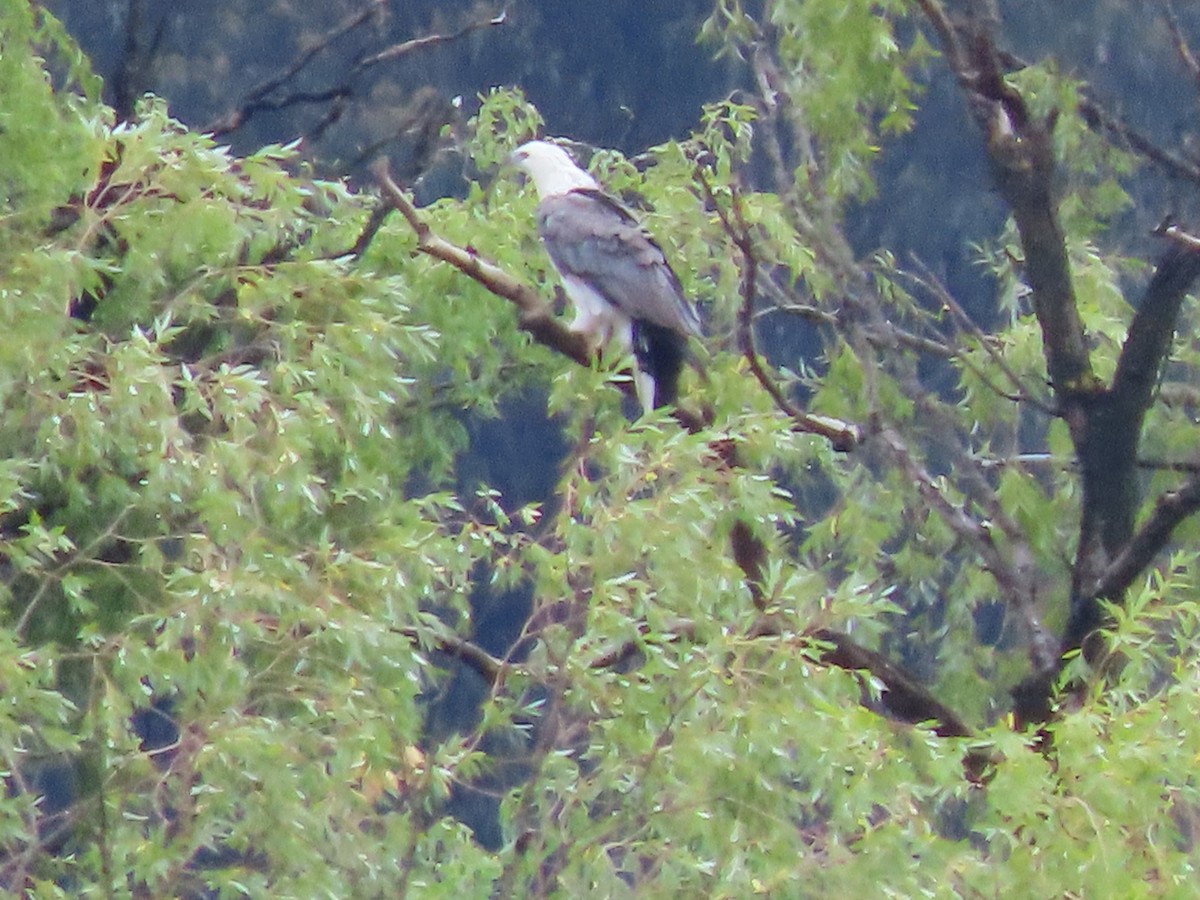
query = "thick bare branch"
{"x": 1153, "y": 329}
{"x": 1020, "y": 148}
{"x": 1174, "y": 232}
{"x": 1171, "y": 509}
{"x": 1108, "y": 440}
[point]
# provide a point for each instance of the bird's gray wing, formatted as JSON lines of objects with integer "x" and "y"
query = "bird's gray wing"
{"x": 591, "y": 236}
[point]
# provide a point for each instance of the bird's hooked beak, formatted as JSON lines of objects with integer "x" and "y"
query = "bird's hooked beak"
{"x": 514, "y": 164}
{"x": 510, "y": 166}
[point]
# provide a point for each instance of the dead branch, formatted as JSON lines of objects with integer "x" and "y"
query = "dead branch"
{"x": 1174, "y": 232}
{"x": 430, "y": 40}
{"x": 256, "y": 99}
{"x": 1186, "y": 56}
{"x": 259, "y": 99}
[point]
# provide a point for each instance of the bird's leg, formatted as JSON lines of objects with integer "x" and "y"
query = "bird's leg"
{"x": 643, "y": 385}
{"x": 610, "y": 333}
{"x": 595, "y": 325}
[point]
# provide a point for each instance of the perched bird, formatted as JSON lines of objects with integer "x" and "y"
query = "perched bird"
{"x": 614, "y": 272}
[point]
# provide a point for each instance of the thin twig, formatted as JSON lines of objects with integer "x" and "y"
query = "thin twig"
{"x": 842, "y": 436}
{"x": 256, "y": 99}
{"x": 1097, "y": 118}
{"x": 430, "y": 40}
{"x": 1167, "y": 465}
{"x": 1012, "y": 577}
{"x": 478, "y": 660}
{"x": 965, "y": 323}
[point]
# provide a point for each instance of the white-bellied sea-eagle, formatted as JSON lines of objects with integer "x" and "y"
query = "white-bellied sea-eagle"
{"x": 615, "y": 274}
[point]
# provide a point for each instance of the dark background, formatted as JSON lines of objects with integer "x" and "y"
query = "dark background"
{"x": 626, "y": 74}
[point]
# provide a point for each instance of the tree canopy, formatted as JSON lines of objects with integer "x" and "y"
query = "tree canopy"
{"x": 900, "y": 599}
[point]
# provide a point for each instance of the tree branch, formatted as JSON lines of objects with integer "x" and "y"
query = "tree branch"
{"x": 903, "y": 697}
{"x": 535, "y": 315}
{"x": 1170, "y": 509}
{"x": 1097, "y": 118}
{"x": 256, "y": 99}
{"x": 1021, "y": 150}
{"x": 1101, "y": 120}
{"x": 1014, "y": 575}
{"x": 842, "y": 436}
{"x": 474, "y": 657}
{"x": 1021, "y": 393}
{"x": 1186, "y": 56}
{"x": 431, "y": 40}
{"x": 1107, "y": 444}
{"x": 137, "y": 58}
{"x": 1152, "y": 330}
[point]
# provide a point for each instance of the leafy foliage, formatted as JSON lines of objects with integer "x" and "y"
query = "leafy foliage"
{"x": 238, "y": 558}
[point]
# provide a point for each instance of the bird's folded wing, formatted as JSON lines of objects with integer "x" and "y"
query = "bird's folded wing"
{"x": 592, "y": 237}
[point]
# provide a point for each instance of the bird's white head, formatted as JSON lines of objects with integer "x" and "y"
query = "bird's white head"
{"x": 551, "y": 169}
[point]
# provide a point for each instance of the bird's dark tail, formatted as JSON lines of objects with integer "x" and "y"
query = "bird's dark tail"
{"x": 660, "y": 353}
